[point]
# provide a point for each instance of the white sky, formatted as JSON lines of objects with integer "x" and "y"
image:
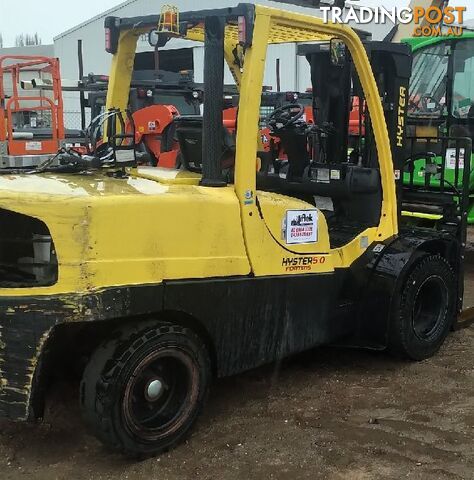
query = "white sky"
{"x": 51, "y": 17}
{"x": 47, "y": 17}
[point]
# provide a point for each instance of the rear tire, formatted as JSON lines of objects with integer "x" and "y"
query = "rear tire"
{"x": 425, "y": 309}
{"x": 143, "y": 389}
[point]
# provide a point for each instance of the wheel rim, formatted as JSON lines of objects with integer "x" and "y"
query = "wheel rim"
{"x": 160, "y": 394}
{"x": 430, "y": 307}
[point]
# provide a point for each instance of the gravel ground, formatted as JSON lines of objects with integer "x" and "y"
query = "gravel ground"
{"x": 327, "y": 414}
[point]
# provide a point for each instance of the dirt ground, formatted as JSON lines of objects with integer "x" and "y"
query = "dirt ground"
{"x": 328, "y": 414}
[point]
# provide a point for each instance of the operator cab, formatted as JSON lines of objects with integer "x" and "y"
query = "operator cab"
{"x": 330, "y": 156}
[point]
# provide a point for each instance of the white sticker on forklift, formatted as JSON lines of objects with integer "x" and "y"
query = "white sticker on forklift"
{"x": 33, "y": 146}
{"x": 323, "y": 175}
{"x": 397, "y": 174}
{"x": 451, "y": 158}
{"x": 125, "y": 156}
{"x": 301, "y": 226}
{"x": 378, "y": 248}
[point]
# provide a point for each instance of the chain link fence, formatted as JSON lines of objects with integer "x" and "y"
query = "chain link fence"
{"x": 72, "y": 119}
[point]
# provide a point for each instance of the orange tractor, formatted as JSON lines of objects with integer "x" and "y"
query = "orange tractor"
{"x": 153, "y": 108}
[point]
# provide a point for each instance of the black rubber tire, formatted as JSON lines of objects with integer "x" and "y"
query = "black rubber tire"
{"x": 113, "y": 372}
{"x": 424, "y": 310}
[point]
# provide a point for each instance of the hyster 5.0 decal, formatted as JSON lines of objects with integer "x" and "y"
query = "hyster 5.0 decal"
{"x": 302, "y": 264}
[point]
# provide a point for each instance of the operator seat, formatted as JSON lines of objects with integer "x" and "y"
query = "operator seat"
{"x": 189, "y": 130}
{"x": 294, "y": 141}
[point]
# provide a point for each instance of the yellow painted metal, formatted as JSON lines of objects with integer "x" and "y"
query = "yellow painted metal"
{"x": 284, "y": 30}
{"x": 133, "y": 231}
{"x": 121, "y": 76}
{"x": 269, "y": 255}
{"x": 121, "y": 72}
{"x": 273, "y": 25}
{"x": 427, "y": 216}
{"x": 344, "y": 256}
{"x": 249, "y": 113}
{"x": 168, "y": 176}
{"x": 156, "y": 225}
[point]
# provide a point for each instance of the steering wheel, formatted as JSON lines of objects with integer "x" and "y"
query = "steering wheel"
{"x": 286, "y": 115}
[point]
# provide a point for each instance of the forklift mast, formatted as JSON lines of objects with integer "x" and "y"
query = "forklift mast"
{"x": 333, "y": 100}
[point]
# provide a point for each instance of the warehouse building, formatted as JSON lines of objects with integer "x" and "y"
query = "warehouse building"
{"x": 179, "y": 54}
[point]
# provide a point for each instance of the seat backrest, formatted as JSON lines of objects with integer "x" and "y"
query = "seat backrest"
{"x": 189, "y": 135}
{"x": 189, "y": 129}
{"x": 295, "y": 144}
{"x": 167, "y": 137}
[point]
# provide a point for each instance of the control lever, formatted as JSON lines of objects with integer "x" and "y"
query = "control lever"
{"x": 318, "y": 139}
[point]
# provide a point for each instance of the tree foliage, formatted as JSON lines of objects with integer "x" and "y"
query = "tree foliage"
{"x": 27, "y": 39}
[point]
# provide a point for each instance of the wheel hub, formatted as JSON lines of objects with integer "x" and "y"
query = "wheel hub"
{"x": 154, "y": 389}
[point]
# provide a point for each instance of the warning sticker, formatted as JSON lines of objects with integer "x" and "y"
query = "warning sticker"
{"x": 125, "y": 156}
{"x": 323, "y": 175}
{"x": 301, "y": 226}
{"x": 378, "y": 248}
{"x": 152, "y": 125}
{"x": 451, "y": 158}
{"x": 33, "y": 146}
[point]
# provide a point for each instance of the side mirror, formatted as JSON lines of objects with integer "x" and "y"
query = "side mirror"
{"x": 338, "y": 52}
{"x": 157, "y": 39}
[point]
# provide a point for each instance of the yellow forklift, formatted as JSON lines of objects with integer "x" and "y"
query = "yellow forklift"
{"x": 163, "y": 279}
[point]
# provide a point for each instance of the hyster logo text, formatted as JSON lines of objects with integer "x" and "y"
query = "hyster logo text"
{"x": 301, "y": 264}
{"x": 402, "y": 102}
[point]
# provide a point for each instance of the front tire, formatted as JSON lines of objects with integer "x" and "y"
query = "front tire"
{"x": 424, "y": 310}
{"x": 142, "y": 390}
